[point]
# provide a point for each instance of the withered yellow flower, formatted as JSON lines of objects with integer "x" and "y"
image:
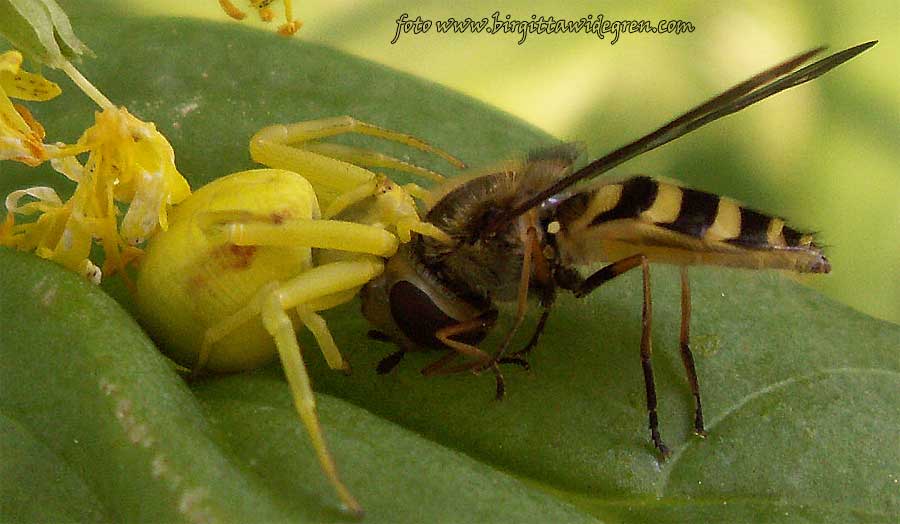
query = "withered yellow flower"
{"x": 123, "y": 187}
{"x": 21, "y": 136}
{"x": 135, "y": 162}
{"x": 60, "y": 233}
{"x": 128, "y": 162}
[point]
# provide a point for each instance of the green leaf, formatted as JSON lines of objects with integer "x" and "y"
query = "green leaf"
{"x": 40, "y": 29}
{"x": 97, "y": 427}
{"x": 801, "y": 394}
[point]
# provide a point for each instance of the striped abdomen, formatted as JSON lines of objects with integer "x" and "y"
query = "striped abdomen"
{"x": 675, "y": 225}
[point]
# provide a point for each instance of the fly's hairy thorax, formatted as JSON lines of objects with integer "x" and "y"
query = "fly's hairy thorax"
{"x": 473, "y": 266}
{"x": 490, "y": 266}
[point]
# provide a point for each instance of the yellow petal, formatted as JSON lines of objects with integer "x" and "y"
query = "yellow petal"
{"x": 21, "y": 136}
{"x": 10, "y": 61}
{"x": 28, "y": 86}
{"x": 11, "y": 122}
{"x": 137, "y": 161}
{"x": 45, "y": 199}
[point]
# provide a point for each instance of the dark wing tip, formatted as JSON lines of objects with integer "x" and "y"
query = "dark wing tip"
{"x": 752, "y": 90}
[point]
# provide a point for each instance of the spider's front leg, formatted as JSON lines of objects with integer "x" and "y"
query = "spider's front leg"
{"x": 339, "y": 175}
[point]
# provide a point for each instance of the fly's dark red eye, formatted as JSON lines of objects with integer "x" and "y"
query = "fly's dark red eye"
{"x": 420, "y": 318}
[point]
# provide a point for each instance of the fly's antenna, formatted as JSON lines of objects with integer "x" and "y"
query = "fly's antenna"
{"x": 763, "y": 85}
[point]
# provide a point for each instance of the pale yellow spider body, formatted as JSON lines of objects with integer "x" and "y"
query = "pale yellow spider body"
{"x": 250, "y": 256}
{"x": 192, "y": 276}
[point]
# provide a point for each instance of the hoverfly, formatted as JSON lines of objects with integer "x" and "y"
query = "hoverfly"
{"x": 522, "y": 230}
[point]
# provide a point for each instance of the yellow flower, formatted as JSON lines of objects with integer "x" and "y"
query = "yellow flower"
{"x": 136, "y": 164}
{"x": 60, "y": 233}
{"x": 129, "y": 162}
{"x": 21, "y": 136}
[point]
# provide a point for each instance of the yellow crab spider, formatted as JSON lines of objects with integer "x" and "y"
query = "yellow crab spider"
{"x": 249, "y": 256}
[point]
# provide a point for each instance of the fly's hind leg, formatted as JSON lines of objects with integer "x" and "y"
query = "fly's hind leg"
{"x": 606, "y": 274}
{"x": 687, "y": 358}
{"x": 388, "y": 363}
{"x": 532, "y": 249}
{"x": 519, "y": 357}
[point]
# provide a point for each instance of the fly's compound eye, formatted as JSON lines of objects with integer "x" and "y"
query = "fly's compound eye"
{"x": 419, "y": 318}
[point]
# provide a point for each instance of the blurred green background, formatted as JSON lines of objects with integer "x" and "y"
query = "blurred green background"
{"x": 825, "y": 155}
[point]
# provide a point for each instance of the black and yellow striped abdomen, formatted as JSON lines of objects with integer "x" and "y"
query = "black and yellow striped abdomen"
{"x": 675, "y": 225}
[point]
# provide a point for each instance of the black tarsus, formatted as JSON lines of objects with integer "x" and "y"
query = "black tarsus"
{"x": 388, "y": 363}
{"x": 374, "y": 334}
{"x": 538, "y": 331}
{"x": 604, "y": 275}
{"x": 516, "y": 361}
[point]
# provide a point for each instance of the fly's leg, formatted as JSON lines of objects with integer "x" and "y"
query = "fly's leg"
{"x": 606, "y": 274}
{"x": 480, "y": 359}
{"x": 530, "y": 242}
{"x": 544, "y": 276}
{"x": 445, "y": 334}
{"x": 519, "y": 357}
{"x": 687, "y": 358}
{"x": 388, "y": 363}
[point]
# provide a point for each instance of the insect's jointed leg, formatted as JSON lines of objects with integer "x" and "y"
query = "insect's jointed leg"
{"x": 687, "y": 358}
{"x": 481, "y": 360}
{"x": 388, "y": 363}
{"x": 518, "y": 358}
{"x": 543, "y": 275}
{"x": 479, "y": 323}
{"x": 531, "y": 244}
{"x": 646, "y": 364}
{"x": 607, "y": 273}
